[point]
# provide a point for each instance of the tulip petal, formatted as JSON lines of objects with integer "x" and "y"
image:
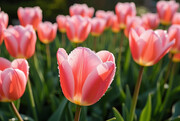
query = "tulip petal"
{"x": 22, "y": 65}
{"x": 61, "y": 55}
{"x": 106, "y": 56}
{"x": 4, "y": 63}
{"x": 82, "y": 61}
{"x": 14, "y": 83}
{"x": 66, "y": 80}
{"x": 97, "y": 83}
{"x": 1, "y": 91}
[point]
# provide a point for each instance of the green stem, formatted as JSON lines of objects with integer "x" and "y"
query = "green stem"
{"x": 63, "y": 39}
{"x": 33, "y": 107}
{"x": 77, "y": 114}
{"x": 165, "y": 103}
{"x": 16, "y": 111}
{"x": 95, "y": 41}
{"x": 48, "y": 55}
{"x": 136, "y": 93}
{"x": 168, "y": 69}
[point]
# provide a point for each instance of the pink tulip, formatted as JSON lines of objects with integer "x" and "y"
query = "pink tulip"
{"x": 123, "y": 10}
{"x": 115, "y": 24}
{"x": 176, "y": 57}
{"x": 176, "y": 19}
{"x": 132, "y": 22}
{"x": 13, "y": 79}
{"x": 47, "y": 32}
{"x": 2, "y": 27}
{"x": 150, "y": 20}
{"x": 81, "y": 9}
{"x": 61, "y": 21}
{"x": 106, "y": 15}
{"x": 4, "y": 19}
{"x": 32, "y": 16}
{"x": 166, "y": 11}
{"x": 149, "y": 47}
{"x": 85, "y": 75}
{"x": 97, "y": 26}
{"x": 20, "y": 41}
{"x": 78, "y": 28}
{"x": 174, "y": 34}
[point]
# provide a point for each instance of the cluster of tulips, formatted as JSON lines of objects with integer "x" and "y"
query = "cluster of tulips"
{"x": 84, "y": 74}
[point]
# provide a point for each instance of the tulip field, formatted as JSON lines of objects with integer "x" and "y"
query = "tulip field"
{"x": 91, "y": 65}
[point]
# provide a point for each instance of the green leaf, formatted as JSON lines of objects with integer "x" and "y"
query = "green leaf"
{"x": 146, "y": 113}
{"x": 176, "y": 109}
{"x": 56, "y": 116}
{"x": 117, "y": 115}
{"x": 112, "y": 119}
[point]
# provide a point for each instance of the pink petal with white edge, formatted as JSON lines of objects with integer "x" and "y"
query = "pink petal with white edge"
{"x": 14, "y": 83}
{"x": 4, "y": 63}
{"x": 1, "y": 91}
{"x": 66, "y": 80}
{"x": 82, "y": 61}
{"x": 106, "y": 56}
{"x": 22, "y": 65}
{"x": 61, "y": 55}
{"x": 97, "y": 83}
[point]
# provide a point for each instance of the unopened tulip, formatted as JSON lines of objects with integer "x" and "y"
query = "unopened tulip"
{"x": 106, "y": 15}
{"x": 174, "y": 34}
{"x": 2, "y": 27}
{"x": 32, "y": 16}
{"x": 132, "y": 22}
{"x": 150, "y": 20}
{"x": 4, "y": 19}
{"x": 123, "y": 10}
{"x": 20, "y": 41}
{"x": 13, "y": 79}
{"x": 47, "y": 32}
{"x": 82, "y": 10}
{"x": 84, "y": 75}
{"x": 166, "y": 11}
{"x": 61, "y": 21}
{"x": 78, "y": 28}
{"x": 176, "y": 19}
{"x": 115, "y": 24}
{"x": 149, "y": 47}
{"x": 97, "y": 26}
{"x": 176, "y": 57}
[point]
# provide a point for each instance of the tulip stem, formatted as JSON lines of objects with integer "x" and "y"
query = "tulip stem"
{"x": 63, "y": 39}
{"x": 16, "y": 111}
{"x": 95, "y": 41}
{"x": 169, "y": 68}
{"x": 136, "y": 93}
{"x": 33, "y": 107}
{"x": 77, "y": 114}
{"x": 114, "y": 39}
{"x": 48, "y": 55}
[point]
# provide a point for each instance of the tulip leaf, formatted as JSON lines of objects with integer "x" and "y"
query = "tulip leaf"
{"x": 56, "y": 116}
{"x": 176, "y": 109}
{"x": 117, "y": 115}
{"x": 146, "y": 112}
{"x": 112, "y": 119}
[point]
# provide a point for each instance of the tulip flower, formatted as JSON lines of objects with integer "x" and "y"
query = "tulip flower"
{"x": 81, "y": 9}
{"x": 1, "y": 32}
{"x": 13, "y": 79}
{"x": 149, "y": 47}
{"x": 106, "y": 15}
{"x": 176, "y": 19}
{"x": 174, "y": 34}
{"x": 97, "y": 26}
{"x": 78, "y": 28}
{"x": 132, "y": 22}
{"x": 150, "y": 20}
{"x": 4, "y": 19}
{"x": 84, "y": 75}
{"x": 46, "y": 32}
{"x": 123, "y": 10}
{"x": 176, "y": 58}
{"x": 115, "y": 25}
{"x": 166, "y": 11}
{"x": 20, "y": 41}
{"x": 61, "y": 21}
{"x": 32, "y": 16}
